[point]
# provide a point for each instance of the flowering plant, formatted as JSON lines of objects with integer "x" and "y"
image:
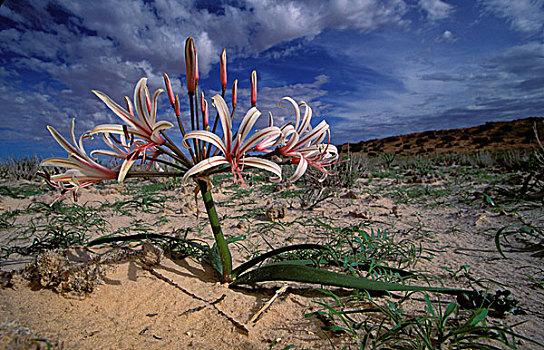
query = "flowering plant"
{"x": 207, "y": 149}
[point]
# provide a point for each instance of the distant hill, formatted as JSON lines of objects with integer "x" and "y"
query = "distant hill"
{"x": 491, "y": 136}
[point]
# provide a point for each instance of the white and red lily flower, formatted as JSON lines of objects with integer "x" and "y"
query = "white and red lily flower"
{"x": 143, "y": 126}
{"x": 82, "y": 170}
{"x": 303, "y": 144}
{"x": 268, "y": 144}
{"x": 235, "y": 146}
{"x": 129, "y": 151}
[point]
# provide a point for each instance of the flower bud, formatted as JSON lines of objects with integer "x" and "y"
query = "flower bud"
{"x": 253, "y": 89}
{"x": 191, "y": 65}
{"x": 196, "y": 68}
{"x": 204, "y": 109}
{"x": 169, "y": 89}
{"x": 177, "y": 108}
{"x": 129, "y": 106}
{"x": 234, "y": 92}
{"x": 223, "y": 68}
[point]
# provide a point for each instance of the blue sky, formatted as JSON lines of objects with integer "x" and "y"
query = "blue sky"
{"x": 370, "y": 68}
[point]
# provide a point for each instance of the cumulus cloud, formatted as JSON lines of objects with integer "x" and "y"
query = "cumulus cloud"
{"x": 66, "y": 48}
{"x": 523, "y": 15}
{"x": 436, "y": 9}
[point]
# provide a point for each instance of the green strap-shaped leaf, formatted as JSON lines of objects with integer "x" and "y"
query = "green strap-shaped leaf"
{"x": 306, "y": 274}
{"x": 308, "y": 246}
{"x": 250, "y": 263}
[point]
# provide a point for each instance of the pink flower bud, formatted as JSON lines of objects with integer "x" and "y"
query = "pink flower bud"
{"x": 196, "y": 68}
{"x": 129, "y": 106}
{"x": 177, "y": 108}
{"x": 191, "y": 65}
{"x": 204, "y": 109}
{"x": 253, "y": 89}
{"x": 169, "y": 89}
{"x": 223, "y": 68}
{"x": 234, "y": 92}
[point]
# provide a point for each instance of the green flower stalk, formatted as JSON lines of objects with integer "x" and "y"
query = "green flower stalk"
{"x": 221, "y": 243}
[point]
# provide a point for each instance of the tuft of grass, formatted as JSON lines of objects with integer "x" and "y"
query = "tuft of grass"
{"x": 418, "y": 193}
{"x": 22, "y": 191}
{"x": 388, "y": 325}
{"x": 356, "y": 250}
{"x": 150, "y": 202}
{"x": 51, "y": 227}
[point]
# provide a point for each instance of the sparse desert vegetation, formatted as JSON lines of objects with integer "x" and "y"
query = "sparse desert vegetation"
{"x": 127, "y": 265}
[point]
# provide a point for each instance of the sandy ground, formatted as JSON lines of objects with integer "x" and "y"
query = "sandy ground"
{"x": 178, "y": 304}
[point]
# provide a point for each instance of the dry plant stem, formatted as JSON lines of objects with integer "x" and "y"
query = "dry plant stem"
{"x": 266, "y": 306}
{"x": 221, "y": 243}
{"x": 213, "y": 304}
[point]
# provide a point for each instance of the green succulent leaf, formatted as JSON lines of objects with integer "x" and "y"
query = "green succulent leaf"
{"x": 306, "y": 274}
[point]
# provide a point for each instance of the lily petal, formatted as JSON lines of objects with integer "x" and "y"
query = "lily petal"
{"x": 301, "y": 169}
{"x": 224, "y": 117}
{"x": 117, "y": 109}
{"x": 104, "y": 152}
{"x": 306, "y": 119}
{"x": 139, "y": 101}
{"x": 247, "y": 123}
{"x": 315, "y": 133}
{"x": 125, "y": 167}
{"x": 258, "y": 137}
{"x": 204, "y": 165}
{"x": 296, "y": 108}
{"x": 116, "y": 129}
{"x": 64, "y": 163}
{"x": 263, "y": 164}
{"x": 153, "y": 116}
{"x": 209, "y": 137}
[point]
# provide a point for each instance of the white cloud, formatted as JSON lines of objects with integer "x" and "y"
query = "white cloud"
{"x": 157, "y": 32}
{"x": 523, "y": 15}
{"x": 436, "y": 9}
{"x": 100, "y": 46}
{"x": 446, "y": 37}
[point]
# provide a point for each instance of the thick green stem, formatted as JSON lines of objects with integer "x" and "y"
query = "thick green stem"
{"x": 220, "y": 242}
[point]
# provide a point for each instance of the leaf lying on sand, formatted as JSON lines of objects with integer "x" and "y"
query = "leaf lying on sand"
{"x": 306, "y": 274}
